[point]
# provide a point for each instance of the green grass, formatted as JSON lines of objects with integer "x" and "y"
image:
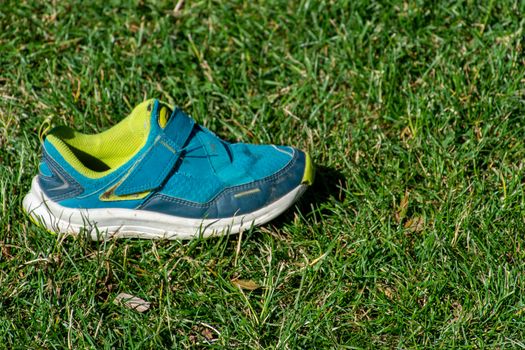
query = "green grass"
{"x": 412, "y": 237}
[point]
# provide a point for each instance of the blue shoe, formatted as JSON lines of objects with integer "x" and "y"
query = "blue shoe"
{"x": 157, "y": 174}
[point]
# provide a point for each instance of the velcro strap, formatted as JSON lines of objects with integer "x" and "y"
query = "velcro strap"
{"x": 151, "y": 170}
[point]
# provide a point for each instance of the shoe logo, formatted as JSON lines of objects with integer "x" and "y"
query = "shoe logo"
{"x": 65, "y": 185}
{"x": 55, "y": 182}
{"x": 58, "y": 185}
{"x": 109, "y": 195}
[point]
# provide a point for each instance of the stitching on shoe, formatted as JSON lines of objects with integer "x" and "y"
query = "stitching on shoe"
{"x": 224, "y": 192}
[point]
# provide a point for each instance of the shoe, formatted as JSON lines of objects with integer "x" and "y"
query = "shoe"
{"x": 158, "y": 175}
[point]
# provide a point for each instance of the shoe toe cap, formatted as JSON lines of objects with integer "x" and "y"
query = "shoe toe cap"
{"x": 257, "y": 194}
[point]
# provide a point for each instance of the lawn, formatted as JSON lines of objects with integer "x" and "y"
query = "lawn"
{"x": 413, "y": 235}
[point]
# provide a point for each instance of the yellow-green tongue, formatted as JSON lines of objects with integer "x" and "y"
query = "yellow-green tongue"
{"x": 97, "y": 155}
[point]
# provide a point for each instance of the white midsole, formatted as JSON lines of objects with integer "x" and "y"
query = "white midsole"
{"x": 131, "y": 223}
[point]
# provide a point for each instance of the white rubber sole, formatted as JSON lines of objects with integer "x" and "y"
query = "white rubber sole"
{"x": 107, "y": 223}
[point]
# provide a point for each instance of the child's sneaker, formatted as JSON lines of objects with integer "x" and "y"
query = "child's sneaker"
{"x": 157, "y": 174}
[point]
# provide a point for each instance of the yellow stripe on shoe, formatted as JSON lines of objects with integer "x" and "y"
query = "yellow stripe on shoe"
{"x": 309, "y": 171}
{"x": 38, "y": 223}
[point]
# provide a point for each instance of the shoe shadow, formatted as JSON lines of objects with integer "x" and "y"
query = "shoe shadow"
{"x": 327, "y": 187}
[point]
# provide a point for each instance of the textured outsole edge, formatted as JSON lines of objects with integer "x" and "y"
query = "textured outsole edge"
{"x": 100, "y": 224}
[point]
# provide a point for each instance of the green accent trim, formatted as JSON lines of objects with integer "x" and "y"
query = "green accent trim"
{"x": 163, "y": 117}
{"x": 110, "y": 196}
{"x": 38, "y": 223}
{"x": 309, "y": 171}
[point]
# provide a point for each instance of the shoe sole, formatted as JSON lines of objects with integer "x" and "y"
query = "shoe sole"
{"x": 100, "y": 224}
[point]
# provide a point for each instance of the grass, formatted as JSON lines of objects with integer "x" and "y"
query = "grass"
{"x": 412, "y": 236}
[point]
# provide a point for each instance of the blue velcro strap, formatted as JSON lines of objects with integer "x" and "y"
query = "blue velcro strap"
{"x": 151, "y": 170}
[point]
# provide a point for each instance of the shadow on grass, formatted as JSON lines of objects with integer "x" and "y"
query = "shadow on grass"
{"x": 327, "y": 187}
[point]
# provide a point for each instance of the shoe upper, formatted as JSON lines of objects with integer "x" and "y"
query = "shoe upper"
{"x": 159, "y": 159}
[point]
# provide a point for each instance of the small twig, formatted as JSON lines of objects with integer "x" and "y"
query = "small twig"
{"x": 178, "y": 7}
{"x": 238, "y": 249}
